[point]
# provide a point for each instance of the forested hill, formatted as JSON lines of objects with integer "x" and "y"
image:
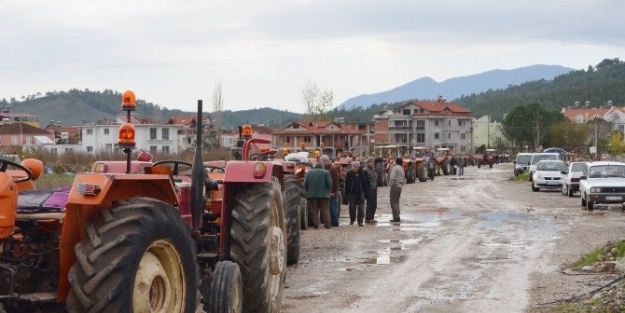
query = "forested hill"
{"x": 75, "y": 107}
{"x": 597, "y": 84}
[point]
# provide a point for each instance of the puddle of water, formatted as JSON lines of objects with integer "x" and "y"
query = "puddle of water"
{"x": 347, "y": 269}
{"x": 504, "y": 216}
{"x": 380, "y": 260}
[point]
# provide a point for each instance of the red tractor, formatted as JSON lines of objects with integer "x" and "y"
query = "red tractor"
{"x": 146, "y": 239}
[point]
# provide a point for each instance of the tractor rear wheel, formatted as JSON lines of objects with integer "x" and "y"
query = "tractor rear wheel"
{"x": 258, "y": 245}
{"x": 410, "y": 175}
{"x": 128, "y": 263}
{"x": 292, "y": 211}
{"x": 422, "y": 171}
{"x": 226, "y": 289}
{"x": 446, "y": 168}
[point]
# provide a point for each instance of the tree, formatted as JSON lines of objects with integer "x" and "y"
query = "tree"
{"x": 317, "y": 102}
{"x": 528, "y": 124}
{"x": 218, "y": 116}
{"x": 617, "y": 146}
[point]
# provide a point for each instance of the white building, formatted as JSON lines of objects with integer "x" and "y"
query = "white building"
{"x": 149, "y": 137}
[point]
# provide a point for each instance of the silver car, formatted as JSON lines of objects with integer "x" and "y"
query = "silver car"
{"x": 548, "y": 175}
{"x": 571, "y": 180}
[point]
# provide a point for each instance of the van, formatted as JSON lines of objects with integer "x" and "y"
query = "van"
{"x": 522, "y": 163}
{"x": 537, "y": 157}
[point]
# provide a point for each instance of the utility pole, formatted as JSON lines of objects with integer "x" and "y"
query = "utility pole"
{"x": 596, "y": 148}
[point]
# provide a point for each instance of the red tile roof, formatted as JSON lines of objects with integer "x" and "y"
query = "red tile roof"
{"x": 586, "y": 113}
{"x": 437, "y": 107}
{"x": 317, "y": 128}
{"x": 21, "y": 128}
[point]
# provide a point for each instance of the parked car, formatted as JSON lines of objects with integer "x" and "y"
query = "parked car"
{"x": 522, "y": 163}
{"x": 548, "y": 175}
{"x": 537, "y": 157}
{"x": 602, "y": 182}
{"x": 571, "y": 180}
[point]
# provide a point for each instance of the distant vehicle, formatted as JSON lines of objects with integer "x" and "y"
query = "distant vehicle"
{"x": 571, "y": 180}
{"x": 548, "y": 175}
{"x": 522, "y": 163}
{"x": 602, "y": 182}
{"x": 537, "y": 157}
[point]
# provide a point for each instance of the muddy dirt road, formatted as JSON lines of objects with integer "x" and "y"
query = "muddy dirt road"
{"x": 474, "y": 243}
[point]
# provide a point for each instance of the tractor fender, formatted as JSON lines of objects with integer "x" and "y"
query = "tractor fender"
{"x": 243, "y": 171}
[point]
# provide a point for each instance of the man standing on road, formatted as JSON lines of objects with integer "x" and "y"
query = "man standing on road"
{"x": 353, "y": 190}
{"x": 334, "y": 204}
{"x": 431, "y": 165}
{"x": 318, "y": 184}
{"x": 396, "y": 180}
{"x": 370, "y": 189}
{"x": 461, "y": 165}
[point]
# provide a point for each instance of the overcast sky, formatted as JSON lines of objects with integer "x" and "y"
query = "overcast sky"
{"x": 263, "y": 52}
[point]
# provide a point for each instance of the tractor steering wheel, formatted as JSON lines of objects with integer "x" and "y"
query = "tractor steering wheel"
{"x": 5, "y": 163}
{"x": 175, "y": 163}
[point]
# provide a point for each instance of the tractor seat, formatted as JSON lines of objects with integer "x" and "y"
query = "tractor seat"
{"x": 42, "y": 204}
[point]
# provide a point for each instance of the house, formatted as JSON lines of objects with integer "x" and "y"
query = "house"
{"x": 436, "y": 124}
{"x": 586, "y": 113}
{"x": 8, "y": 118}
{"x": 151, "y": 137}
{"x": 22, "y": 134}
{"x": 331, "y": 137}
{"x": 187, "y": 133}
{"x": 487, "y": 132}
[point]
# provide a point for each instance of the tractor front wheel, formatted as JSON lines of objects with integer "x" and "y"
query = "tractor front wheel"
{"x": 258, "y": 245}
{"x": 128, "y": 263}
{"x": 226, "y": 289}
{"x": 422, "y": 171}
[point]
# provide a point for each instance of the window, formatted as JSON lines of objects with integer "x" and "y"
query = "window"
{"x": 29, "y": 141}
{"x": 448, "y": 135}
{"x": 69, "y": 149}
{"x": 89, "y": 148}
{"x": 295, "y": 126}
{"x": 14, "y": 140}
{"x": 420, "y": 125}
{"x": 165, "y": 134}
{"x": 53, "y": 150}
{"x": 435, "y": 122}
{"x": 437, "y": 136}
{"x": 108, "y": 147}
{"x": 460, "y": 123}
{"x": 449, "y": 123}
{"x": 89, "y": 131}
{"x": 579, "y": 119}
{"x": 287, "y": 139}
{"x": 307, "y": 139}
{"x": 153, "y": 148}
{"x": 405, "y": 112}
{"x": 228, "y": 142}
{"x": 165, "y": 149}
{"x": 153, "y": 134}
{"x": 106, "y": 131}
{"x": 463, "y": 136}
{"x": 420, "y": 137}
{"x": 463, "y": 148}
{"x": 188, "y": 140}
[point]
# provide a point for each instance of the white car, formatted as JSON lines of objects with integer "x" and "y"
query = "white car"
{"x": 548, "y": 175}
{"x": 602, "y": 182}
{"x": 571, "y": 181}
{"x": 537, "y": 157}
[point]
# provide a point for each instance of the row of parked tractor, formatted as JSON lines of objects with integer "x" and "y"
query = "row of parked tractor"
{"x": 152, "y": 236}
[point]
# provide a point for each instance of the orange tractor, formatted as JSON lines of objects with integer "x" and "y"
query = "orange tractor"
{"x": 147, "y": 239}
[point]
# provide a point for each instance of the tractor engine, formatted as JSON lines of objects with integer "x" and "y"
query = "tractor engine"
{"x": 29, "y": 258}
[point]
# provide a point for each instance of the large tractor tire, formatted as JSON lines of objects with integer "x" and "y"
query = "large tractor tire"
{"x": 446, "y": 167}
{"x": 226, "y": 289}
{"x": 2, "y": 309}
{"x": 410, "y": 174}
{"x": 128, "y": 263}
{"x": 422, "y": 171}
{"x": 303, "y": 208}
{"x": 292, "y": 212}
{"x": 258, "y": 245}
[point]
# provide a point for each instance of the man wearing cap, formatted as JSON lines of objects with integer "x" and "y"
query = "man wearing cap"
{"x": 318, "y": 184}
{"x": 353, "y": 192}
{"x": 334, "y": 174}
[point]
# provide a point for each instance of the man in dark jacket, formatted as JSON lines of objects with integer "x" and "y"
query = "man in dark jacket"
{"x": 318, "y": 184}
{"x": 370, "y": 189}
{"x": 334, "y": 192}
{"x": 353, "y": 190}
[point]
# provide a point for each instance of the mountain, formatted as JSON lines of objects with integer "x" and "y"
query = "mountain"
{"x": 427, "y": 89}
{"x": 77, "y": 107}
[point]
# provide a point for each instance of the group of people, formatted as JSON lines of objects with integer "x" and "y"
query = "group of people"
{"x": 361, "y": 189}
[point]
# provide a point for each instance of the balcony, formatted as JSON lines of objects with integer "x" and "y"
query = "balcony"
{"x": 400, "y": 128}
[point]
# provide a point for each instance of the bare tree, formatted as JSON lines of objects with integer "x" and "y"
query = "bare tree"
{"x": 317, "y": 102}
{"x": 218, "y": 115}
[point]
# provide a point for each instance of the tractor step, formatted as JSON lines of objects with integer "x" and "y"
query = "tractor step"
{"x": 38, "y": 297}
